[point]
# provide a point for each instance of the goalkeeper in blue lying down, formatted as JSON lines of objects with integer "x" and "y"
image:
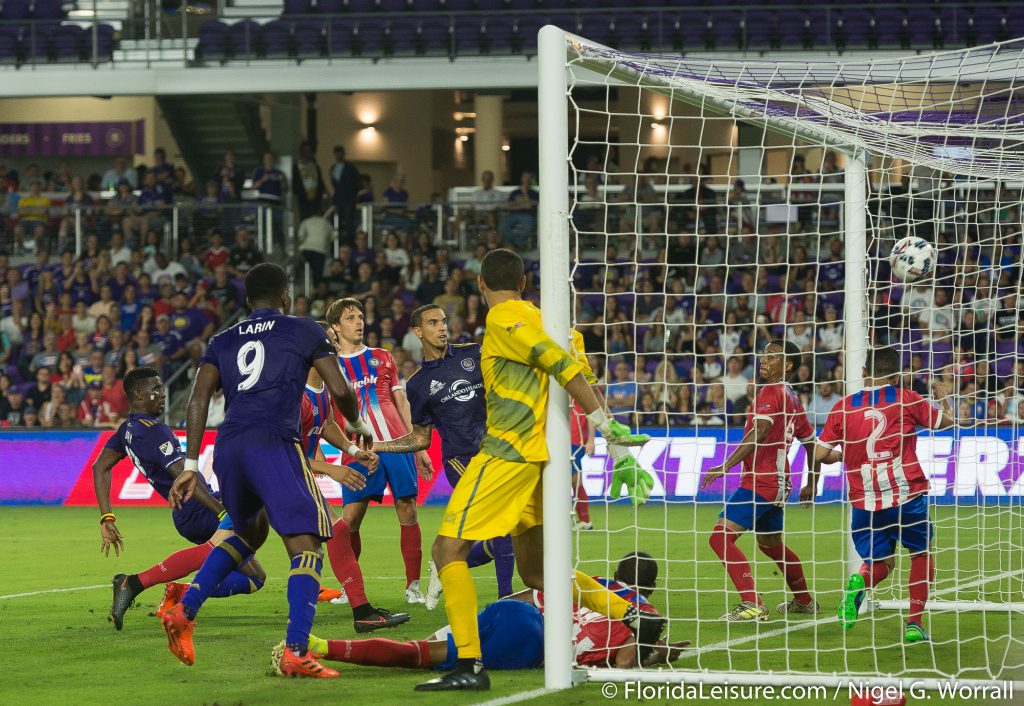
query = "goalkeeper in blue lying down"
{"x": 512, "y": 632}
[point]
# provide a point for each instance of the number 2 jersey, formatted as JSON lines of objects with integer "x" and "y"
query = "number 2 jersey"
{"x": 766, "y": 471}
{"x": 264, "y": 361}
{"x": 877, "y": 429}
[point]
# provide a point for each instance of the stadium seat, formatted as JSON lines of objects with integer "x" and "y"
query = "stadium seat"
{"x": 338, "y": 39}
{"x": 275, "y": 39}
{"x": 213, "y": 40}
{"x": 395, "y": 6}
{"x": 9, "y": 43}
{"x": 47, "y": 9}
{"x": 436, "y": 36}
{"x": 360, "y": 6}
{"x": 16, "y": 9}
{"x": 245, "y": 38}
{"x": 308, "y": 38}
{"x": 330, "y": 7}
{"x": 70, "y": 41}
{"x": 297, "y": 7}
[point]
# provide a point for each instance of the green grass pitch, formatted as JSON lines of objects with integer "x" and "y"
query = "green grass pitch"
{"x": 60, "y": 649}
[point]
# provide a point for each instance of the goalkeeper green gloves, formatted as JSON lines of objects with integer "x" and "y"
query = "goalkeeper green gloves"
{"x": 627, "y": 471}
{"x": 615, "y": 432}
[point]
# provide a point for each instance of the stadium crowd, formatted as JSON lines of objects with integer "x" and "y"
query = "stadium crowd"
{"x": 672, "y": 323}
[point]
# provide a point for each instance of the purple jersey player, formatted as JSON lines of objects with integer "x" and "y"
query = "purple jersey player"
{"x": 156, "y": 453}
{"x": 447, "y": 392}
{"x": 262, "y": 363}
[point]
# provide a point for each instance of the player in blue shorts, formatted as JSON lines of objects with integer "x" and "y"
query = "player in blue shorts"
{"x": 155, "y": 451}
{"x": 512, "y": 632}
{"x": 446, "y": 393}
{"x": 262, "y": 363}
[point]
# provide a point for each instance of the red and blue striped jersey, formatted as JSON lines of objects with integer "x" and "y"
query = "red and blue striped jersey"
{"x": 317, "y": 409}
{"x": 373, "y": 375}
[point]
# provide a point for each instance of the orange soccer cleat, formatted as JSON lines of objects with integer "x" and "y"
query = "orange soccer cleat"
{"x": 328, "y": 594}
{"x": 293, "y": 665}
{"x": 179, "y": 634}
{"x": 173, "y": 593}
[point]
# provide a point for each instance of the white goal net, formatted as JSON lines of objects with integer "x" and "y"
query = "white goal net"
{"x": 699, "y": 209}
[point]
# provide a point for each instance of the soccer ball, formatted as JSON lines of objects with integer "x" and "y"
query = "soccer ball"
{"x": 912, "y": 258}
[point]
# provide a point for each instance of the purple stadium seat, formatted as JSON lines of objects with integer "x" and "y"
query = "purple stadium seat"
{"x": 458, "y": 5}
{"x": 37, "y": 39}
{"x": 15, "y": 9}
{"x": 368, "y": 37}
{"x": 400, "y": 37}
{"x": 396, "y": 6}
{"x": 360, "y": 6}
{"x": 297, "y": 7}
{"x": 308, "y": 38}
{"x": 631, "y": 31}
{"x": 339, "y": 37}
{"x": 213, "y": 40}
{"x": 69, "y": 42}
{"x": 104, "y": 41}
{"x": 9, "y": 37}
{"x": 47, "y": 9}
{"x": 244, "y": 36}
{"x": 330, "y": 7}
{"x": 275, "y": 38}
{"x": 435, "y": 36}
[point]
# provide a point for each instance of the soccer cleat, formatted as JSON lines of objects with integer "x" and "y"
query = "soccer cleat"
{"x": 849, "y": 606}
{"x": 289, "y": 664}
{"x": 462, "y": 678}
{"x": 746, "y": 612}
{"x": 328, "y": 594}
{"x": 173, "y": 593}
{"x": 915, "y": 633}
{"x": 317, "y": 647}
{"x": 380, "y": 618}
{"x": 125, "y": 592}
{"x": 583, "y": 526}
{"x": 342, "y": 599}
{"x": 646, "y": 627}
{"x": 794, "y": 607}
{"x": 413, "y": 594}
{"x": 179, "y": 634}
{"x": 434, "y": 587}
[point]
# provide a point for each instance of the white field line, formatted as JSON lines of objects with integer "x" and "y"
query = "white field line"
{"x": 516, "y": 698}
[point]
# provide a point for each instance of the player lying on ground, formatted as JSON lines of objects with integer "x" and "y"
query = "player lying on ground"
{"x": 446, "y": 393}
{"x": 262, "y": 364}
{"x": 876, "y": 429}
{"x": 512, "y": 633}
{"x": 383, "y": 406}
{"x": 317, "y": 419}
{"x": 500, "y": 492}
{"x": 155, "y": 451}
{"x": 765, "y": 486}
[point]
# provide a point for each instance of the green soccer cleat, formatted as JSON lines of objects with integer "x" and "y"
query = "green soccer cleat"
{"x": 915, "y": 633}
{"x": 849, "y": 607}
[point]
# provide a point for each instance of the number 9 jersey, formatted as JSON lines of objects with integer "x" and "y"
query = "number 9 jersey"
{"x": 263, "y": 363}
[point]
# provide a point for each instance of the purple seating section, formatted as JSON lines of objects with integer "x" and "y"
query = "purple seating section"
{"x": 448, "y": 27}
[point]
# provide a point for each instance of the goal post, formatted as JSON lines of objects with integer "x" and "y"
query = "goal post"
{"x": 654, "y": 188}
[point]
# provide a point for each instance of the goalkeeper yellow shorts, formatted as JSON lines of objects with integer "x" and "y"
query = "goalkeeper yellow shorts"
{"x": 494, "y": 497}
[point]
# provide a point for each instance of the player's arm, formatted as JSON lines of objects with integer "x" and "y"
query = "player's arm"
{"x": 941, "y": 392}
{"x": 347, "y": 476}
{"x": 329, "y": 369}
{"x": 201, "y": 494}
{"x": 102, "y": 469}
{"x": 757, "y": 434}
{"x": 416, "y": 440}
{"x": 207, "y": 382}
{"x": 334, "y": 436}
{"x": 423, "y": 464}
{"x": 810, "y": 490}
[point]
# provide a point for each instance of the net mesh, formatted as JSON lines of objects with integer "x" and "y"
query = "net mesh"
{"x": 708, "y": 216}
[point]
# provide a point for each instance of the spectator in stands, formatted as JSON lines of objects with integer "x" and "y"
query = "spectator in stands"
{"x": 161, "y": 168}
{"x": 396, "y": 215}
{"x": 12, "y": 408}
{"x": 216, "y": 255}
{"x": 271, "y": 185}
{"x": 486, "y": 200}
{"x": 192, "y": 325}
{"x": 244, "y": 255}
{"x": 229, "y": 179}
{"x": 315, "y": 241}
{"x": 40, "y": 392}
{"x": 48, "y": 410}
{"x": 120, "y": 171}
{"x": 453, "y": 303}
{"x": 172, "y": 346}
{"x": 734, "y": 381}
{"x": 431, "y": 287}
{"x": 308, "y": 183}
{"x": 824, "y": 400}
{"x": 47, "y": 357}
{"x": 345, "y": 189}
{"x": 520, "y": 223}
{"x": 122, "y": 210}
{"x": 622, "y": 391}
{"x": 33, "y": 214}
{"x": 938, "y": 319}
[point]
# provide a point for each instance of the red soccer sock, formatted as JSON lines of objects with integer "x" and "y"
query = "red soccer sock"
{"x": 412, "y": 552}
{"x": 874, "y": 573}
{"x": 345, "y": 565}
{"x": 380, "y": 652}
{"x": 176, "y": 565}
{"x": 357, "y": 543}
{"x": 790, "y": 566}
{"x": 922, "y": 572}
{"x": 723, "y": 543}
{"x": 582, "y": 503}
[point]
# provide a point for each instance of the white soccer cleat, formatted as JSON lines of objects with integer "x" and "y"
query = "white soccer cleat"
{"x": 413, "y": 594}
{"x": 434, "y": 588}
{"x": 794, "y": 607}
{"x": 583, "y": 526}
{"x": 342, "y": 599}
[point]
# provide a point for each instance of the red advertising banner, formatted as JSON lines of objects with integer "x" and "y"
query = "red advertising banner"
{"x": 128, "y": 487}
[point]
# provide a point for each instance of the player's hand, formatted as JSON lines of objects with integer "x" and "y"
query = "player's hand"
{"x": 349, "y": 477}
{"x": 807, "y": 495}
{"x": 940, "y": 389}
{"x": 621, "y": 435}
{"x": 588, "y": 448}
{"x": 368, "y": 459}
{"x": 713, "y": 474}
{"x": 184, "y": 485}
{"x": 111, "y": 538}
{"x": 363, "y": 433}
{"x": 628, "y": 471}
{"x": 425, "y": 466}
{"x": 665, "y": 653}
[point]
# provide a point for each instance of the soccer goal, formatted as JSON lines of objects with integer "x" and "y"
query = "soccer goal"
{"x": 692, "y": 210}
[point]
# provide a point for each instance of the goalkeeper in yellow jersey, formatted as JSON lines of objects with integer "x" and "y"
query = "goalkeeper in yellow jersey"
{"x": 500, "y": 492}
